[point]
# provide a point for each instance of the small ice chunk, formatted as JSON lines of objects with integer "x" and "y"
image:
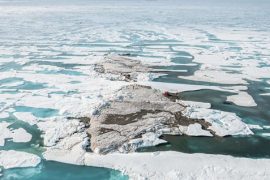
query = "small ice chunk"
{"x": 266, "y": 134}
{"x": 266, "y": 127}
{"x": 254, "y": 126}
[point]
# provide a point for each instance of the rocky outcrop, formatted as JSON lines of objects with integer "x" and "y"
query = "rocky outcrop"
{"x": 141, "y": 115}
{"x": 121, "y": 68}
{"x": 137, "y": 120}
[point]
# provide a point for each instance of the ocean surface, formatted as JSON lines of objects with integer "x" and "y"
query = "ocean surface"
{"x": 45, "y": 41}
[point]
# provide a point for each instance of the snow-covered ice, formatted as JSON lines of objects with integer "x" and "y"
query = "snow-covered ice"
{"x": 17, "y": 135}
{"x": 222, "y": 123}
{"x": 181, "y": 165}
{"x": 15, "y": 159}
{"x": 194, "y": 130}
{"x": 242, "y": 99}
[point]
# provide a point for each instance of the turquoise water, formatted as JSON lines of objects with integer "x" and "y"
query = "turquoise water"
{"x": 56, "y": 171}
{"x": 60, "y": 33}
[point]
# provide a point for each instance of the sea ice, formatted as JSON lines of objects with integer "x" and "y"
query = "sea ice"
{"x": 4, "y": 115}
{"x": 182, "y": 166}
{"x": 27, "y": 117}
{"x": 13, "y": 159}
{"x": 242, "y": 99}
{"x": 222, "y": 123}
{"x": 17, "y": 135}
{"x": 194, "y": 130}
{"x": 21, "y": 135}
{"x": 254, "y": 126}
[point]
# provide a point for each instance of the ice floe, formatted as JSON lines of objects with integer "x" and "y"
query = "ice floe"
{"x": 266, "y": 127}
{"x": 173, "y": 87}
{"x": 15, "y": 159}
{"x": 242, "y": 99}
{"x": 265, "y": 134}
{"x": 222, "y": 123}
{"x": 254, "y": 126}
{"x": 21, "y": 135}
{"x": 17, "y": 135}
{"x": 194, "y": 130}
{"x": 182, "y": 166}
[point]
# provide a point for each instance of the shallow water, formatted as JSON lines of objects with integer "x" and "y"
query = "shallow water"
{"x": 56, "y": 171}
{"x": 44, "y": 39}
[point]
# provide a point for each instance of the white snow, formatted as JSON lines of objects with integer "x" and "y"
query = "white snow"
{"x": 195, "y": 104}
{"x": 176, "y": 165}
{"x": 73, "y": 156}
{"x": 4, "y": 132}
{"x": 173, "y": 87}
{"x": 147, "y": 140}
{"x": 242, "y": 99}
{"x": 58, "y": 128}
{"x": 222, "y": 123}
{"x": 21, "y": 135}
{"x": 194, "y": 130}
{"x": 69, "y": 150}
{"x": 17, "y": 135}
{"x": 14, "y": 159}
